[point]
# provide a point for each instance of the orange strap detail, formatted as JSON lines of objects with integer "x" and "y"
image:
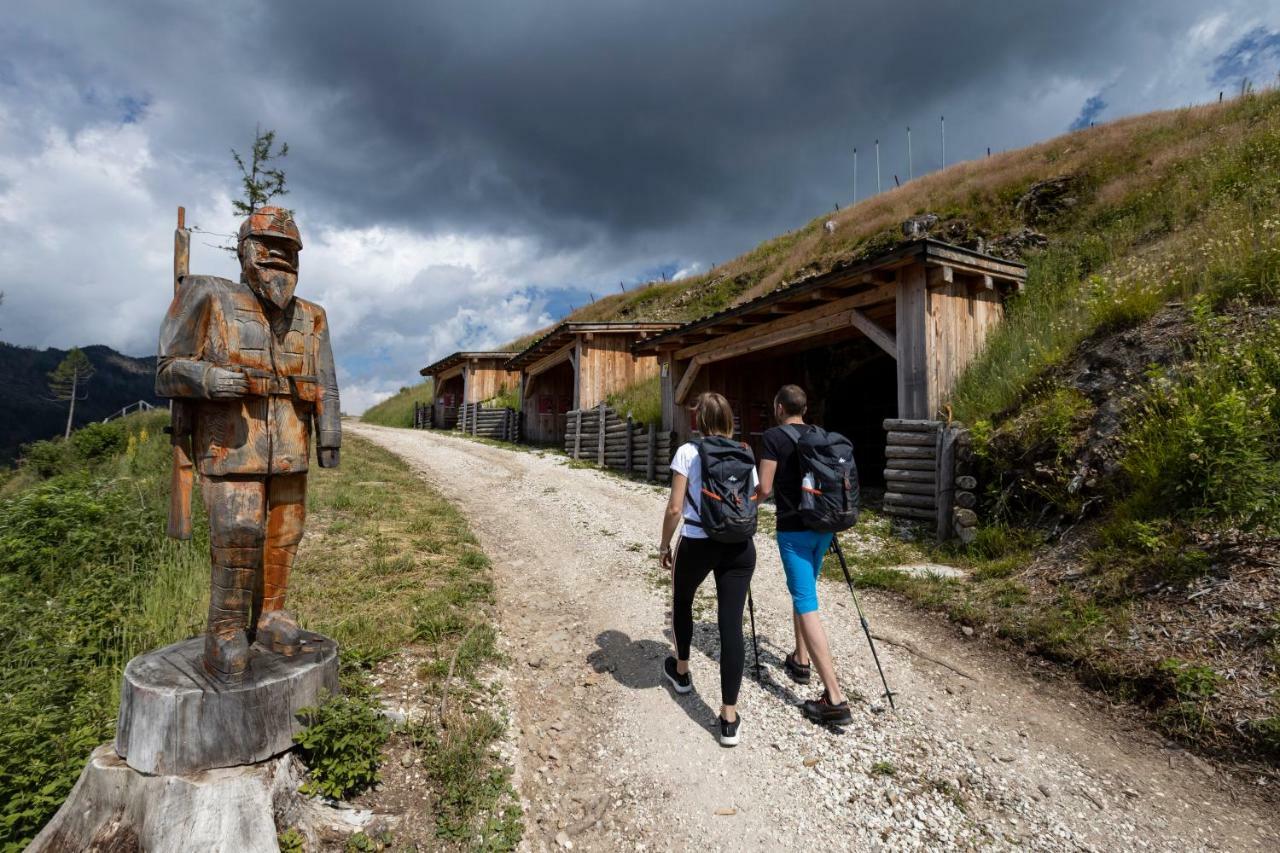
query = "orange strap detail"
{"x": 712, "y": 495}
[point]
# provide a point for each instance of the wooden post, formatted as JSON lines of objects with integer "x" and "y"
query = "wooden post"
{"x": 601, "y": 422}
{"x": 627, "y": 456}
{"x": 911, "y": 341}
{"x": 577, "y": 434}
{"x": 651, "y": 464}
{"x": 945, "y": 481}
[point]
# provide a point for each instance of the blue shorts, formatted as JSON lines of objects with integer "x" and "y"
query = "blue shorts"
{"x": 802, "y": 552}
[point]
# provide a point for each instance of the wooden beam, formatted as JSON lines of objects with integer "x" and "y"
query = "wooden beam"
{"x": 988, "y": 283}
{"x": 686, "y": 381}
{"x": 939, "y": 276}
{"x": 858, "y": 300}
{"x": 542, "y": 365}
{"x": 875, "y": 331}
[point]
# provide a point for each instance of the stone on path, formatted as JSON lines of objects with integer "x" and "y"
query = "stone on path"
{"x": 924, "y": 570}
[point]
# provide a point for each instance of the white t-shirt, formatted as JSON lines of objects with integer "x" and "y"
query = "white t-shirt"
{"x": 686, "y": 462}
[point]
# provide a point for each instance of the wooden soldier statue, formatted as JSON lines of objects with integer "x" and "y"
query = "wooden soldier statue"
{"x": 250, "y": 368}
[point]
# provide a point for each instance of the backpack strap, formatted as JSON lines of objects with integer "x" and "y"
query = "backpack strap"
{"x": 790, "y": 431}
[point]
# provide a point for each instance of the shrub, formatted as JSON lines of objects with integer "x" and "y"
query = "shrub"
{"x": 97, "y": 441}
{"x": 342, "y": 746}
{"x": 1203, "y": 444}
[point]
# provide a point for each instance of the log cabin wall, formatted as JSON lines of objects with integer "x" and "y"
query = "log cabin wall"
{"x": 486, "y": 378}
{"x": 608, "y": 366}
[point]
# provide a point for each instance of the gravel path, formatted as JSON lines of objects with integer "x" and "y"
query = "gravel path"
{"x": 607, "y": 757}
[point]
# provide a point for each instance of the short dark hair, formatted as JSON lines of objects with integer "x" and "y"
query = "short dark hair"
{"x": 713, "y": 415}
{"x": 792, "y": 399}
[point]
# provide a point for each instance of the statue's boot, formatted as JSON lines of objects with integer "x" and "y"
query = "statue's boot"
{"x": 279, "y": 632}
{"x": 226, "y": 645}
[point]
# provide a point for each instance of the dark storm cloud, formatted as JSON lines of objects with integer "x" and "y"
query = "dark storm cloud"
{"x": 460, "y": 168}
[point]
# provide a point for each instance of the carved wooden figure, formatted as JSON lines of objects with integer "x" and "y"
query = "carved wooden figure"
{"x": 252, "y": 370}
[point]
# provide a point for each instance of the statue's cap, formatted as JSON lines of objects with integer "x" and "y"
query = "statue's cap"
{"x": 271, "y": 221}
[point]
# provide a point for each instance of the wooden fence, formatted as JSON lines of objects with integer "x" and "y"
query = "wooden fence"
{"x": 500, "y": 424}
{"x": 929, "y": 475}
{"x": 602, "y": 436}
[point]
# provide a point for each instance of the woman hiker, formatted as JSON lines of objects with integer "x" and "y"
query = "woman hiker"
{"x": 802, "y": 551}
{"x": 696, "y": 557}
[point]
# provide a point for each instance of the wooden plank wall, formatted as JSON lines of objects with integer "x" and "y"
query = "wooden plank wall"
{"x": 486, "y": 380}
{"x": 643, "y": 450}
{"x": 446, "y": 417}
{"x": 553, "y": 387}
{"x": 961, "y": 314}
{"x": 608, "y": 367}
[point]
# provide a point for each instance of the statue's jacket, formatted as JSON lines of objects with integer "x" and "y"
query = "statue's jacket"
{"x": 215, "y": 322}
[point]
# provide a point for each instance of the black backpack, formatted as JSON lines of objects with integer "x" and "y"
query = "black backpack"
{"x": 727, "y": 505}
{"x": 829, "y": 503}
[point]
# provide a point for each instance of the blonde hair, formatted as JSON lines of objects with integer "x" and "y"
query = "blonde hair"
{"x": 713, "y": 414}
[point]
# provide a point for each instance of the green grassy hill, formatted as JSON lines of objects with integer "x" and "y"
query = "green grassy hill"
{"x": 397, "y": 410}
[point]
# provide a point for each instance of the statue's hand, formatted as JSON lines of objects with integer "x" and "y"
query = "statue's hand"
{"x": 227, "y": 384}
{"x": 328, "y": 457}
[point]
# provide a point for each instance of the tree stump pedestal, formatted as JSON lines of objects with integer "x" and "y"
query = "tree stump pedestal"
{"x": 196, "y": 764}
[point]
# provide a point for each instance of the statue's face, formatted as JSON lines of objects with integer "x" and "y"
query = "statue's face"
{"x": 270, "y": 266}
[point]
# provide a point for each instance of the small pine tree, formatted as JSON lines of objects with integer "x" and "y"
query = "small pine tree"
{"x": 68, "y": 382}
{"x": 260, "y": 182}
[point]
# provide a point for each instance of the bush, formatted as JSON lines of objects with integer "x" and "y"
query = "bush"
{"x": 97, "y": 441}
{"x": 342, "y": 746}
{"x": 1203, "y": 444}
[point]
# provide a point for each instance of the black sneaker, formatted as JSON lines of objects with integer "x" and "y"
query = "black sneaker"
{"x": 800, "y": 673}
{"x": 681, "y": 683}
{"x": 821, "y": 710}
{"x": 729, "y": 731}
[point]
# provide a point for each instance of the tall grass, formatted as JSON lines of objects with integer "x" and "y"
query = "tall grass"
{"x": 397, "y": 410}
{"x": 642, "y": 401}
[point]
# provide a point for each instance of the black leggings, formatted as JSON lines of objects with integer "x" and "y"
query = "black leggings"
{"x": 733, "y": 565}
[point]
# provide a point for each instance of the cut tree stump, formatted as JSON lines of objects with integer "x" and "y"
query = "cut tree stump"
{"x": 175, "y": 718}
{"x": 230, "y": 810}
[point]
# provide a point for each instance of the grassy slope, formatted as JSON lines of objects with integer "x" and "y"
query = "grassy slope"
{"x": 87, "y": 580}
{"x": 397, "y": 410}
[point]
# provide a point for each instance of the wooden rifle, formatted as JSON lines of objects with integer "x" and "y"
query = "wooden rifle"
{"x": 182, "y": 479}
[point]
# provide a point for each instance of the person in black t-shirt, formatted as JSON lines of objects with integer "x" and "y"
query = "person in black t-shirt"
{"x": 802, "y": 551}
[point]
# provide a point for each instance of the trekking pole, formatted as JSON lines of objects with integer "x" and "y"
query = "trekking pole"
{"x": 866, "y": 629}
{"x": 755, "y": 643}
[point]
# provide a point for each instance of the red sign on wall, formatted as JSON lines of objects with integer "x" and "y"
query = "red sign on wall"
{"x": 546, "y": 404}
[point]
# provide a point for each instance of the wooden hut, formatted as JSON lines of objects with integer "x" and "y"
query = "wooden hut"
{"x": 884, "y": 339}
{"x": 576, "y": 366}
{"x": 465, "y": 378}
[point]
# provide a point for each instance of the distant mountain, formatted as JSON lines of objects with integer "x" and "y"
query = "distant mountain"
{"x": 27, "y": 412}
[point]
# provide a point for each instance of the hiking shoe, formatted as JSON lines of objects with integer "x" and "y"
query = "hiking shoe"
{"x": 800, "y": 673}
{"x": 681, "y": 683}
{"x": 821, "y": 710}
{"x": 729, "y": 731}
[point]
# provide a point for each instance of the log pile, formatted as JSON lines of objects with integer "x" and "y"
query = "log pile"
{"x": 499, "y": 424}
{"x": 602, "y": 436}
{"x": 911, "y": 468}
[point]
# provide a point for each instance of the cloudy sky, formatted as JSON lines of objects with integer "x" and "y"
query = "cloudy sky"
{"x": 464, "y": 172}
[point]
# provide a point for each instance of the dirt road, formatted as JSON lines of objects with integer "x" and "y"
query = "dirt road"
{"x": 608, "y": 757}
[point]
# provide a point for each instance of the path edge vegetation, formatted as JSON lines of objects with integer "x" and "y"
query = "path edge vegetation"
{"x": 388, "y": 568}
